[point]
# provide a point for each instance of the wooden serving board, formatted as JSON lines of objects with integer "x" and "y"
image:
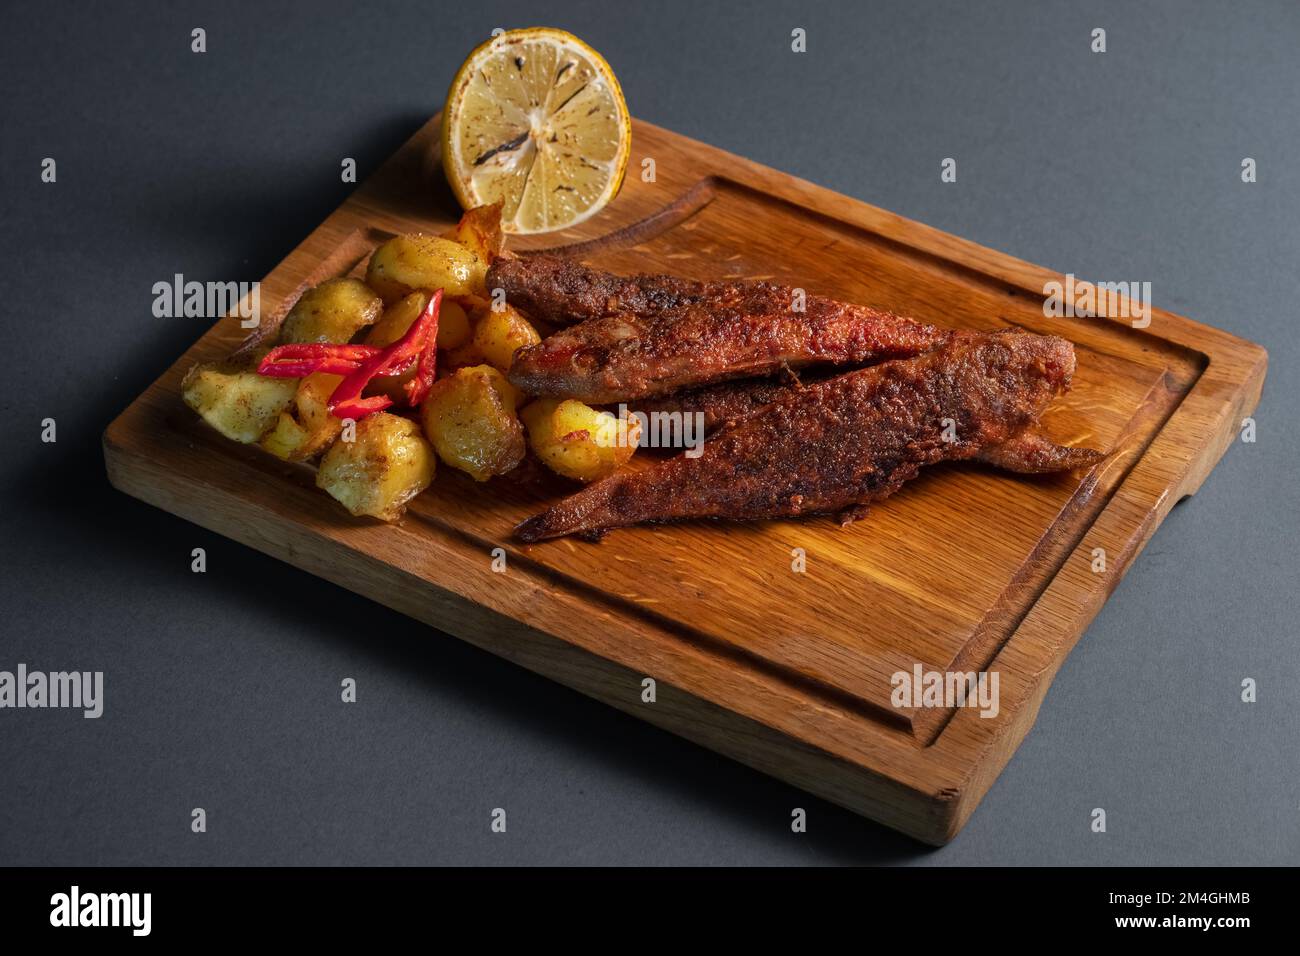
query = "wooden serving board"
{"x": 965, "y": 569}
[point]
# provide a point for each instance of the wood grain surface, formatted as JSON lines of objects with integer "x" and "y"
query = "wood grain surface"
{"x": 965, "y": 569}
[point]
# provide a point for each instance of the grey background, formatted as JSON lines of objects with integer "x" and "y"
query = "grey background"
{"x": 223, "y": 689}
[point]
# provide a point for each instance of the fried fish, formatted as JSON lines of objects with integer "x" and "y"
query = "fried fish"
{"x": 727, "y": 401}
{"x": 563, "y": 291}
{"x": 840, "y": 444}
{"x": 644, "y": 336}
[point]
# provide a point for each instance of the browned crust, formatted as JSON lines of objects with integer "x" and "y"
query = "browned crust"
{"x": 840, "y": 443}
{"x": 644, "y": 336}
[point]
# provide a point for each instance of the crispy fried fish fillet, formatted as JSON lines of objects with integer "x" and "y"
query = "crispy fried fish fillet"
{"x": 727, "y": 401}
{"x": 1029, "y": 453}
{"x": 650, "y": 335}
{"x": 562, "y": 291}
{"x": 842, "y": 443}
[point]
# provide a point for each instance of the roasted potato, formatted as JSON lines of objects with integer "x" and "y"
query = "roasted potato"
{"x": 461, "y": 357}
{"x": 386, "y": 465}
{"x": 418, "y": 261}
{"x": 578, "y": 441}
{"x": 453, "y": 323}
{"x": 236, "y": 401}
{"x": 479, "y": 230}
{"x": 498, "y": 335}
{"x": 470, "y": 418}
{"x": 306, "y": 427}
{"x": 333, "y": 311}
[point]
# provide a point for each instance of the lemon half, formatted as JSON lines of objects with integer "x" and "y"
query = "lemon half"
{"x": 535, "y": 119}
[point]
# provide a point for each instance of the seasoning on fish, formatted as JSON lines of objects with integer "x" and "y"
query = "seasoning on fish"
{"x": 727, "y": 401}
{"x": 645, "y": 336}
{"x": 848, "y": 441}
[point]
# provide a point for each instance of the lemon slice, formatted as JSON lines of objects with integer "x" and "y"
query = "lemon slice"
{"x": 536, "y": 119}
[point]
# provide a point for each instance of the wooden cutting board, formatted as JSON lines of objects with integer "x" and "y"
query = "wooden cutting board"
{"x": 788, "y": 671}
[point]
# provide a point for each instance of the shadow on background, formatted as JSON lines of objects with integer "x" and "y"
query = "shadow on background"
{"x": 95, "y": 523}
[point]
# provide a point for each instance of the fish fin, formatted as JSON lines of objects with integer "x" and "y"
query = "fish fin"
{"x": 587, "y": 513}
{"x": 852, "y": 514}
{"x": 1033, "y": 453}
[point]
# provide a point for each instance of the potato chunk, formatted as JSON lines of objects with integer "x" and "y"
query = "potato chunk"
{"x": 333, "y": 311}
{"x": 577, "y": 441}
{"x": 470, "y": 418}
{"x": 453, "y": 325}
{"x": 386, "y": 465}
{"x": 479, "y": 230}
{"x": 404, "y": 264}
{"x": 306, "y": 427}
{"x": 499, "y": 335}
{"x": 236, "y": 401}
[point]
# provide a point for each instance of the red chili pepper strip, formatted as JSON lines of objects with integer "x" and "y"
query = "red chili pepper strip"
{"x": 301, "y": 367}
{"x": 358, "y": 408}
{"x": 338, "y": 366}
{"x": 283, "y": 370}
{"x": 417, "y": 389}
{"x": 422, "y": 333}
{"x": 396, "y": 359}
{"x": 307, "y": 350}
{"x": 299, "y": 359}
{"x": 426, "y": 369}
{"x": 346, "y": 401}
